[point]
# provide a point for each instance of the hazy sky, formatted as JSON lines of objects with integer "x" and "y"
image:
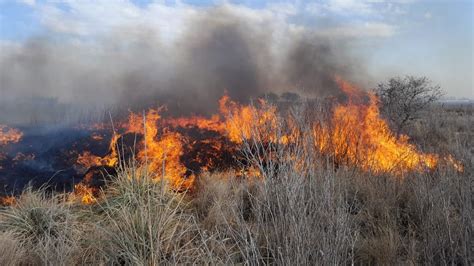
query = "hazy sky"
{"x": 430, "y": 38}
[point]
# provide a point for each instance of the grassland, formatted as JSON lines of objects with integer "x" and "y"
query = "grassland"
{"x": 327, "y": 215}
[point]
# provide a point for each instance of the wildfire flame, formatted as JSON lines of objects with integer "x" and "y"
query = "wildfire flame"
{"x": 85, "y": 193}
{"x": 160, "y": 152}
{"x": 177, "y": 149}
{"x": 355, "y": 135}
{"x": 9, "y": 135}
{"x": 87, "y": 159}
{"x": 7, "y": 201}
{"x": 358, "y": 135}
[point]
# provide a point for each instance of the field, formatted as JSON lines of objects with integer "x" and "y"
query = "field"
{"x": 302, "y": 206}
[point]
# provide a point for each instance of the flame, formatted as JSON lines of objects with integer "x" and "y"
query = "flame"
{"x": 357, "y": 134}
{"x": 160, "y": 153}
{"x": 243, "y": 122}
{"x": 85, "y": 193}
{"x": 7, "y": 201}
{"x": 23, "y": 157}
{"x": 213, "y": 124}
{"x": 88, "y": 160}
{"x": 458, "y": 166}
{"x": 9, "y": 135}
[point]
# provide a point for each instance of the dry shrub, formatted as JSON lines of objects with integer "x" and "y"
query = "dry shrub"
{"x": 145, "y": 223}
{"x": 305, "y": 219}
{"x": 45, "y": 226}
{"x": 296, "y": 213}
{"x": 221, "y": 202}
{"x": 303, "y": 209}
{"x": 309, "y": 212}
{"x": 217, "y": 199}
{"x": 423, "y": 219}
{"x": 13, "y": 253}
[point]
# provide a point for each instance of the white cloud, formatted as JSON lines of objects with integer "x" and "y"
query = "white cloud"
{"x": 28, "y": 2}
{"x": 363, "y": 8}
{"x": 350, "y": 6}
{"x": 346, "y": 7}
{"x": 366, "y": 29}
{"x": 427, "y": 15}
{"x": 98, "y": 18}
{"x": 85, "y": 18}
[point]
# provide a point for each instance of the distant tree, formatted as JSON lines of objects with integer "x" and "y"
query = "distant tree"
{"x": 403, "y": 99}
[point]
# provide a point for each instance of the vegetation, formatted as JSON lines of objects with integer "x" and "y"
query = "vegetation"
{"x": 303, "y": 209}
{"x": 404, "y": 99}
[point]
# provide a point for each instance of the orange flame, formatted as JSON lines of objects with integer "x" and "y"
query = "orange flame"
{"x": 9, "y": 135}
{"x": 242, "y": 122}
{"x": 85, "y": 193}
{"x": 87, "y": 159}
{"x": 358, "y": 135}
{"x": 355, "y": 134}
{"x": 160, "y": 153}
{"x": 7, "y": 201}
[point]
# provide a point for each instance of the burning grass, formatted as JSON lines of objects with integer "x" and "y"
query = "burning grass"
{"x": 179, "y": 149}
{"x": 300, "y": 186}
{"x": 9, "y": 135}
{"x": 327, "y": 216}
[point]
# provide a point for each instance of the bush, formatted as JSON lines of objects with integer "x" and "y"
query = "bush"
{"x": 403, "y": 99}
{"x": 145, "y": 223}
{"x": 45, "y": 226}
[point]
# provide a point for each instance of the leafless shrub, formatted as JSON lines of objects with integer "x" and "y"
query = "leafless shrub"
{"x": 403, "y": 99}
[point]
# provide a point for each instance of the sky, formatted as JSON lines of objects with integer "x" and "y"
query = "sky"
{"x": 393, "y": 37}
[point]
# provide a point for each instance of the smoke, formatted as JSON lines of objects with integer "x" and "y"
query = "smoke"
{"x": 219, "y": 51}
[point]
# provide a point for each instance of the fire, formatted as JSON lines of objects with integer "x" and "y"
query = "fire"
{"x": 458, "y": 166}
{"x": 160, "y": 152}
{"x": 214, "y": 123}
{"x": 357, "y": 134}
{"x": 9, "y": 135}
{"x": 243, "y": 122}
{"x": 87, "y": 159}
{"x": 178, "y": 149}
{"x": 7, "y": 201}
{"x": 85, "y": 193}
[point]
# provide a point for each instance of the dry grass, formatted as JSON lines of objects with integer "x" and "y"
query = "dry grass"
{"x": 297, "y": 214}
{"x": 45, "y": 226}
{"x": 12, "y": 250}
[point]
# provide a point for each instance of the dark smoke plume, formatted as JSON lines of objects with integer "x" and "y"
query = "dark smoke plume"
{"x": 218, "y": 52}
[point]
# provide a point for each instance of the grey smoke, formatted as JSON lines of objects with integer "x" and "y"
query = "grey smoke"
{"x": 219, "y": 52}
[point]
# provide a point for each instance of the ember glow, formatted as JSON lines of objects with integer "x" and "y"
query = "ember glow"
{"x": 9, "y": 135}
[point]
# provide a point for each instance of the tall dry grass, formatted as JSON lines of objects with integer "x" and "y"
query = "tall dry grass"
{"x": 44, "y": 229}
{"x": 303, "y": 209}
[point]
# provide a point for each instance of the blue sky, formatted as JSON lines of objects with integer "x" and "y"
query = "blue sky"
{"x": 431, "y": 38}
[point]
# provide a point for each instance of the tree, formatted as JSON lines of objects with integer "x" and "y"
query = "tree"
{"x": 403, "y": 99}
